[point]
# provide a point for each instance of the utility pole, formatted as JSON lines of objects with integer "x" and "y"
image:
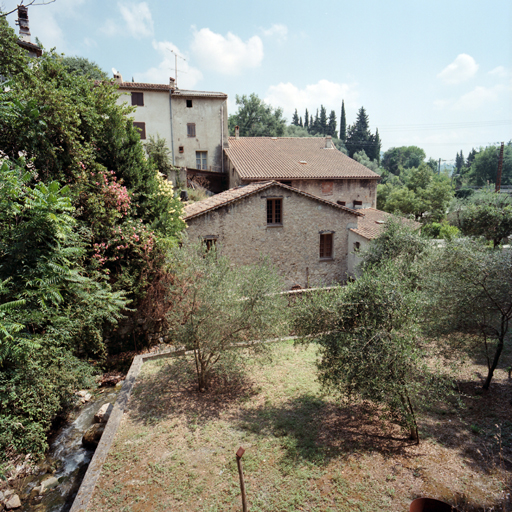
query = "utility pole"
{"x": 500, "y": 167}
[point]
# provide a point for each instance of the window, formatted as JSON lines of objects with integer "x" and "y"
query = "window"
{"x": 191, "y": 130}
{"x": 138, "y": 99}
{"x": 358, "y": 203}
{"x": 326, "y": 245}
{"x": 274, "y": 211}
{"x": 201, "y": 162}
{"x": 289, "y": 183}
{"x": 142, "y": 129}
{"x": 342, "y": 203}
{"x": 189, "y": 103}
{"x": 357, "y": 246}
{"x": 181, "y": 149}
{"x": 210, "y": 242}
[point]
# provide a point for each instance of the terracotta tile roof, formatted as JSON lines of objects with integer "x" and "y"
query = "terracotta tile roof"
{"x": 196, "y": 94}
{"x": 144, "y": 86}
{"x": 235, "y": 194}
{"x": 372, "y": 224}
{"x": 257, "y": 158}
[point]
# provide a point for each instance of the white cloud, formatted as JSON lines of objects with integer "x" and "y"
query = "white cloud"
{"x": 138, "y": 19}
{"x": 481, "y": 96}
{"x": 46, "y": 27}
{"x": 499, "y": 71}
{"x": 228, "y": 55}
{"x": 460, "y": 70}
{"x": 330, "y": 94}
{"x": 188, "y": 76}
{"x": 279, "y": 30}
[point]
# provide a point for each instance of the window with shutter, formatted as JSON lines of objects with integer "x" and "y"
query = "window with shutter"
{"x": 191, "y": 130}
{"x": 138, "y": 99}
{"x": 142, "y": 129}
{"x": 326, "y": 246}
{"x": 274, "y": 212}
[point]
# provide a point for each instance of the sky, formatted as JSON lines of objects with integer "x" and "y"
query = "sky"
{"x": 434, "y": 74}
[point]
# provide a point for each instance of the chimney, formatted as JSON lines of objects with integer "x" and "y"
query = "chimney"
{"x": 328, "y": 142}
{"x": 118, "y": 77}
{"x": 22, "y": 21}
{"x": 237, "y": 132}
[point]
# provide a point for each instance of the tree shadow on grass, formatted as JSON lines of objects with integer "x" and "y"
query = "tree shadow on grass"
{"x": 312, "y": 429}
{"x": 171, "y": 391}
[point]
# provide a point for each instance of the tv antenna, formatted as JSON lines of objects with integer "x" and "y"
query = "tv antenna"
{"x": 176, "y": 66}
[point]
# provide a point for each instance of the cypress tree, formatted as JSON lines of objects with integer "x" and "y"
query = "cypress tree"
{"x": 322, "y": 121}
{"x": 300, "y": 122}
{"x": 331, "y": 125}
{"x": 343, "y": 123}
{"x": 311, "y": 124}
{"x": 295, "y": 118}
{"x": 306, "y": 120}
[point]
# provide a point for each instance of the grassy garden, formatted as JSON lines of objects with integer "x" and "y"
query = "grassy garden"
{"x": 175, "y": 448}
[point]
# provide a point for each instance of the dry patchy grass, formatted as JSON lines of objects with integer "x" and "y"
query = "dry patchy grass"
{"x": 175, "y": 448}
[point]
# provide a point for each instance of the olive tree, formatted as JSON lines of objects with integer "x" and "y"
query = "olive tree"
{"x": 470, "y": 291}
{"x": 369, "y": 343}
{"x": 219, "y": 307}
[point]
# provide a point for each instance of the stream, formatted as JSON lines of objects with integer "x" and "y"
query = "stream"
{"x": 67, "y": 460}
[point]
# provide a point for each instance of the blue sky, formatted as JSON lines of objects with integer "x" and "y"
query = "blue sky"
{"x": 434, "y": 74}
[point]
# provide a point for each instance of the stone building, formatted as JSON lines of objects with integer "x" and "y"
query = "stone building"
{"x": 369, "y": 226}
{"x": 305, "y": 236}
{"x": 310, "y": 164}
{"x": 194, "y": 123}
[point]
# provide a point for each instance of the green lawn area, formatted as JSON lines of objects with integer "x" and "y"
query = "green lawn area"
{"x": 175, "y": 448}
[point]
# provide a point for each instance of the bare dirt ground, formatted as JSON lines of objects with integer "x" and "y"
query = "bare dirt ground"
{"x": 175, "y": 449}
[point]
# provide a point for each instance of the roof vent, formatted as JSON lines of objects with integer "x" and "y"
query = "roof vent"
{"x": 379, "y": 222}
{"x": 328, "y": 142}
{"x": 237, "y": 132}
{"x": 273, "y": 138}
{"x": 303, "y": 162}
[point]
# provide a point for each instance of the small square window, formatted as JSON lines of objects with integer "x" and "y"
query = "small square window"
{"x": 326, "y": 245}
{"x": 357, "y": 246}
{"x": 138, "y": 99}
{"x": 201, "y": 160}
{"x": 210, "y": 243}
{"x": 358, "y": 203}
{"x": 141, "y": 127}
{"x": 181, "y": 149}
{"x": 191, "y": 130}
{"x": 342, "y": 203}
{"x": 189, "y": 103}
{"x": 274, "y": 211}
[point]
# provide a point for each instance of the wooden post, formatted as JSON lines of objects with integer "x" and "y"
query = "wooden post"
{"x": 239, "y": 454}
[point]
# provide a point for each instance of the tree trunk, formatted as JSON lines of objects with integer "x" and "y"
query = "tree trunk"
{"x": 495, "y": 361}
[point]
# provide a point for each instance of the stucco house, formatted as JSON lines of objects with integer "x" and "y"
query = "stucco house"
{"x": 369, "y": 226}
{"x": 309, "y": 164}
{"x": 305, "y": 236}
{"x": 194, "y": 123}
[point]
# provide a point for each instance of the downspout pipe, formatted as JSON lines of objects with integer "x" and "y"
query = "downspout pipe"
{"x": 172, "y": 131}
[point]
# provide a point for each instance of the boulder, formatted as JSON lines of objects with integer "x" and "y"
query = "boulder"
{"x": 92, "y": 436}
{"x": 13, "y": 502}
{"x": 103, "y": 414}
{"x": 84, "y": 396}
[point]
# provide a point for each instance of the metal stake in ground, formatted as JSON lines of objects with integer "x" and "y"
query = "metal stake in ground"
{"x": 239, "y": 454}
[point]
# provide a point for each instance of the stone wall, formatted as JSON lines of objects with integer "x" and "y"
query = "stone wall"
{"x": 242, "y": 234}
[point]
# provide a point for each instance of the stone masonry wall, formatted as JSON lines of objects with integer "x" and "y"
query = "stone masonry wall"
{"x": 243, "y": 236}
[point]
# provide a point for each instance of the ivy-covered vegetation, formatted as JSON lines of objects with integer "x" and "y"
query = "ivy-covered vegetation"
{"x": 85, "y": 221}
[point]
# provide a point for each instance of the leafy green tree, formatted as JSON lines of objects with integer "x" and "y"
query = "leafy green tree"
{"x": 369, "y": 344}
{"x": 13, "y": 59}
{"x": 470, "y": 291}
{"x": 484, "y": 214}
{"x": 84, "y": 67}
{"x": 343, "y": 122}
{"x": 256, "y": 119}
{"x": 159, "y": 154}
{"x": 220, "y": 306}
{"x": 296, "y": 131}
{"x": 363, "y": 159}
{"x": 404, "y": 157}
{"x": 295, "y": 118}
{"x": 484, "y": 168}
